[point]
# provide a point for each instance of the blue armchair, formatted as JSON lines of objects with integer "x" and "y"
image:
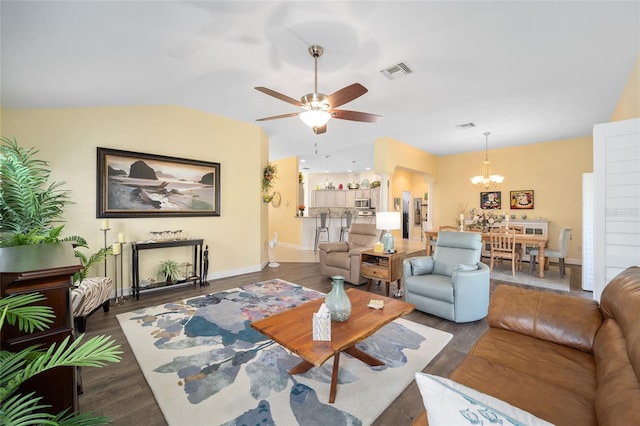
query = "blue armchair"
{"x": 453, "y": 283}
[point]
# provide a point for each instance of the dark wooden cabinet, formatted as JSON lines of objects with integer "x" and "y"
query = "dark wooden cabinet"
{"x": 46, "y": 269}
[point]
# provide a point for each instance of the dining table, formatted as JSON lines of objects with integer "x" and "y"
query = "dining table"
{"x": 525, "y": 239}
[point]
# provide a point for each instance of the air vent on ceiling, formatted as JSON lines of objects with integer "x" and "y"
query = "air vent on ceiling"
{"x": 465, "y": 125}
{"x": 397, "y": 70}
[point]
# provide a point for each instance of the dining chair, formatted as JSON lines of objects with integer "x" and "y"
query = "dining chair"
{"x": 520, "y": 248}
{"x": 503, "y": 246}
{"x": 561, "y": 252}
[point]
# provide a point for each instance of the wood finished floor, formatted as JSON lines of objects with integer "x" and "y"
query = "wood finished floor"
{"x": 120, "y": 391}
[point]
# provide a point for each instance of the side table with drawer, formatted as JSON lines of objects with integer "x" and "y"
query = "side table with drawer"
{"x": 385, "y": 267}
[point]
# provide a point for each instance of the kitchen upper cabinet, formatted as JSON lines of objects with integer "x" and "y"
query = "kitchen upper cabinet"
{"x": 343, "y": 198}
{"x": 328, "y": 198}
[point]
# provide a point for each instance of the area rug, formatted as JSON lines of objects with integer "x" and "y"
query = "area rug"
{"x": 551, "y": 278}
{"x": 207, "y": 366}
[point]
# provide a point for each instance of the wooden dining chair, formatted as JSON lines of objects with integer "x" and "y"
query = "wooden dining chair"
{"x": 503, "y": 246}
{"x": 520, "y": 248}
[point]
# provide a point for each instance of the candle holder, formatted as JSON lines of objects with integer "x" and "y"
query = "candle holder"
{"x": 122, "y": 298}
{"x": 116, "y": 301}
{"x": 104, "y": 230}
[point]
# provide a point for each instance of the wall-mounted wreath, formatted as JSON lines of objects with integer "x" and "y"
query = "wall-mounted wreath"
{"x": 269, "y": 175}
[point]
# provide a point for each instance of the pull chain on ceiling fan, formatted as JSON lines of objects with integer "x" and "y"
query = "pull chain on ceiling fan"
{"x": 320, "y": 108}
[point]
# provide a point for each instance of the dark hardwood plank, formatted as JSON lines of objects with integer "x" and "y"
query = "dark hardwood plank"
{"x": 120, "y": 391}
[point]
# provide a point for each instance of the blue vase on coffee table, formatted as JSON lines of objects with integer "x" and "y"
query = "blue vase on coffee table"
{"x": 337, "y": 300}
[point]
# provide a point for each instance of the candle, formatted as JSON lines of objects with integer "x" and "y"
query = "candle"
{"x": 122, "y": 237}
{"x": 507, "y": 217}
{"x": 116, "y": 248}
{"x": 104, "y": 224}
{"x": 461, "y": 218}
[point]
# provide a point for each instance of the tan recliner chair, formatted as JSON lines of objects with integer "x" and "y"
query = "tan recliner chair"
{"x": 343, "y": 258}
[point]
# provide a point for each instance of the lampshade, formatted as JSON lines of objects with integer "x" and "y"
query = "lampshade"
{"x": 388, "y": 220}
{"x": 315, "y": 117}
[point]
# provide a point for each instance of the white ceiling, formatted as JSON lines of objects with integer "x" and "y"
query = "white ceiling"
{"x": 526, "y": 71}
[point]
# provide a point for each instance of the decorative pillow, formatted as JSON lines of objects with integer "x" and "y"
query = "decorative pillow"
{"x": 450, "y": 403}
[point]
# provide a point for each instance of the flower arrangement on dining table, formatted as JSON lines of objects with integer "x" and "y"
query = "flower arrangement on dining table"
{"x": 483, "y": 219}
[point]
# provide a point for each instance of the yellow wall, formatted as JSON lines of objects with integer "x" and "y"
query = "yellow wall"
{"x": 629, "y": 103}
{"x": 282, "y": 219}
{"x": 553, "y": 170}
{"x": 68, "y": 138}
{"x": 389, "y": 153}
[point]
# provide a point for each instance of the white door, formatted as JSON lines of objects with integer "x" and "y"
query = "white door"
{"x": 616, "y": 172}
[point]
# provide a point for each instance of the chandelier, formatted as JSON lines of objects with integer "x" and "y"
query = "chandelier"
{"x": 487, "y": 179}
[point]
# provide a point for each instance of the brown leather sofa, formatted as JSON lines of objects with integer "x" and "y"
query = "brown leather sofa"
{"x": 564, "y": 359}
{"x": 343, "y": 257}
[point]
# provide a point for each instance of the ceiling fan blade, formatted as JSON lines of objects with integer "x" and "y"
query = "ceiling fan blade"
{"x": 355, "y": 116}
{"x": 275, "y": 117}
{"x": 346, "y": 94}
{"x": 320, "y": 130}
{"x": 279, "y": 96}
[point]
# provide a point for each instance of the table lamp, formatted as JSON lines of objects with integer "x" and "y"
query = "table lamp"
{"x": 388, "y": 221}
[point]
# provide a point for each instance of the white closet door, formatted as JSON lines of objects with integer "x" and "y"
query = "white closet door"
{"x": 616, "y": 166}
{"x": 587, "y": 231}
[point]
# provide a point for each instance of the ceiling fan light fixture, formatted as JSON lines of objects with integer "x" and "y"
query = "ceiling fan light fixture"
{"x": 315, "y": 117}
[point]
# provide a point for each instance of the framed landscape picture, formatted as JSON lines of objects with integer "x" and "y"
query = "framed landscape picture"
{"x": 134, "y": 184}
{"x": 522, "y": 200}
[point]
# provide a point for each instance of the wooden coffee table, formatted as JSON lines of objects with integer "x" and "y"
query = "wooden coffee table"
{"x": 293, "y": 330}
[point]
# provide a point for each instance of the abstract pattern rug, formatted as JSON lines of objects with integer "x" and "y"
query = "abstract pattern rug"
{"x": 207, "y": 366}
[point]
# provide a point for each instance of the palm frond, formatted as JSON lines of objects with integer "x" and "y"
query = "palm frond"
{"x": 82, "y": 419}
{"x": 20, "y": 308}
{"x": 22, "y": 410}
{"x": 94, "y": 353}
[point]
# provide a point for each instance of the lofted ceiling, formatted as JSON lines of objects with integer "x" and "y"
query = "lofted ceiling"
{"x": 527, "y": 71}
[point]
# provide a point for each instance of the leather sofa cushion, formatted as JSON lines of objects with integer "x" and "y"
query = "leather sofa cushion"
{"x": 618, "y": 399}
{"x": 553, "y": 363}
{"x": 570, "y": 321}
{"x": 527, "y": 391}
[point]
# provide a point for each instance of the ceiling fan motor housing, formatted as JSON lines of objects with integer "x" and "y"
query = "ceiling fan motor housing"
{"x": 315, "y": 101}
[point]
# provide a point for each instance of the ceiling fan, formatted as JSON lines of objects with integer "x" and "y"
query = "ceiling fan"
{"x": 319, "y": 108}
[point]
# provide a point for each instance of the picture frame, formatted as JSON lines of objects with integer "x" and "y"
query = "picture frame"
{"x": 396, "y": 204}
{"x": 491, "y": 200}
{"x": 135, "y": 184}
{"x": 417, "y": 209}
{"x": 521, "y": 200}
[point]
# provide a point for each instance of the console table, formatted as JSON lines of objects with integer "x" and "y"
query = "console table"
{"x": 198, "y": 254}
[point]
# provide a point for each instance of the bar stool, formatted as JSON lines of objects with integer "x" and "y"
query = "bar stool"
{"x": 346, "y": 225}
{"x": 322, "y": 225}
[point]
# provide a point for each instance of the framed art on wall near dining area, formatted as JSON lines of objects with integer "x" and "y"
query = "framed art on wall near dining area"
{"x": 521, "y": 200}
{"x": 491, "y": 200}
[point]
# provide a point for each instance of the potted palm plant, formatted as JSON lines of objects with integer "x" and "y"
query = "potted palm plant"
{"x": 18, "y": 367}
{"x": 171, "y": 270}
